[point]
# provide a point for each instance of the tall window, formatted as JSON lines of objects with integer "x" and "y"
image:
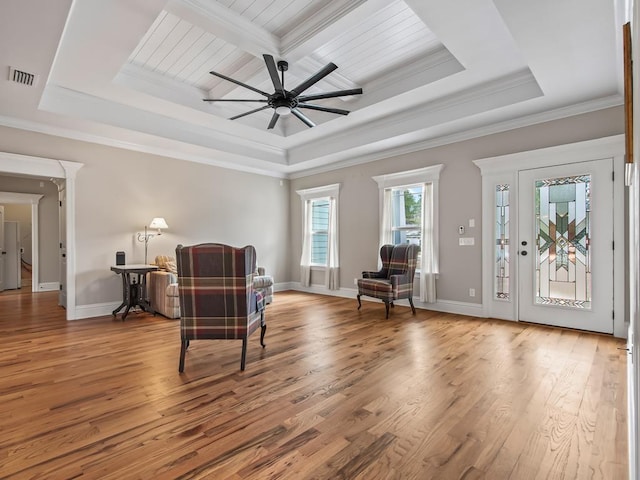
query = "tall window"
{"x": 319, "y": 231}
{"x": 320, "y": 234}
{"x": 406, "y": 217}
{"x": 409, "y": 214}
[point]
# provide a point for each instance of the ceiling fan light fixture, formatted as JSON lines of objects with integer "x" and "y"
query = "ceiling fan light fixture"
{"x": 287, "y": 102}
{"x": 283, "y": 110}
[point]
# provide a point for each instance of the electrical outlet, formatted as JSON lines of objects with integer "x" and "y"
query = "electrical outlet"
{"x": 472, "y": 292}
{"x": 355, "y": 281}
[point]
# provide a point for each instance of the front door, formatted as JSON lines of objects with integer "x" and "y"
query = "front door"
{"x": 565, "y": 245}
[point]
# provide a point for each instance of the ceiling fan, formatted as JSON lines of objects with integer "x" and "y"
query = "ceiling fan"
{"x": 285, "y": 102}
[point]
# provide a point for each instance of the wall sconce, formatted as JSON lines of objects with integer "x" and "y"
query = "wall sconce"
{"x": 158, "y": 223}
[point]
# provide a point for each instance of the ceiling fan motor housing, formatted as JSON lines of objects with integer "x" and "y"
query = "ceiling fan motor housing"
{"x": 278, "y": 100}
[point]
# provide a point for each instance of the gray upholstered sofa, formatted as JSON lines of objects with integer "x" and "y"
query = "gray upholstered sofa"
{"x": 162, "y": 287}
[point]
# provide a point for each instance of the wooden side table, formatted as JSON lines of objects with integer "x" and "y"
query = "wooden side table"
{"x": 134, "y": 287}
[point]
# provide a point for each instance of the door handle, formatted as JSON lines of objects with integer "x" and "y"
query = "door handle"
{"x": 4, "y": 253}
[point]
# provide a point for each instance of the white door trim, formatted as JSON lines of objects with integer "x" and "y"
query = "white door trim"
{"x": 504, "y": 170}
{"x": 52, "y": 168}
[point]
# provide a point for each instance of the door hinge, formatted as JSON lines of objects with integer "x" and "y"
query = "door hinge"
{"x": 613, "y": 315}
{"x": 60, "y": 287}
{"x": 60, "y": 202}
{"x": 613, "y": 245}
{"x": 613, "y": 176}
{"x": 60, "y": 244}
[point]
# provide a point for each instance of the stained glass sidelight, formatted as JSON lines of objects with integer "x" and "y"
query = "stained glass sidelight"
{"x": 501, "y": 269}
{"x": 563, "y": 259}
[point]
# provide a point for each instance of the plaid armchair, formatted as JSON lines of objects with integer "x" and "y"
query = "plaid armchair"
{"x": 395, "y": 280}
{"x": 217, "y": 297}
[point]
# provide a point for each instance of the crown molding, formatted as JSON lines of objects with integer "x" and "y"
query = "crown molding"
{"x": 76, "y": 104}
{"x": 73, "y": 134}
{"x": 469, "y": 134}
{"x": 502, "y": 92}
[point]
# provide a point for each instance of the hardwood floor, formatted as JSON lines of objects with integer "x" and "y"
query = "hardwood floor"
{"x": 337, "y": 394}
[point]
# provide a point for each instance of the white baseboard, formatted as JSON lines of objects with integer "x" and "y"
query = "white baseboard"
{"x": 283, "y": 286}
{"x": 447, "y": 306}
{"x": 95, "y": 310}
{"x": 48, "y": 286}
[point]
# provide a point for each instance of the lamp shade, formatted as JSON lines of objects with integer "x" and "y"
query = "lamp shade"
{"x": 158, "y": 222}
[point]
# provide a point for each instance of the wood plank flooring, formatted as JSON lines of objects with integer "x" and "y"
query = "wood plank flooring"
{"x": 336, "y": 394}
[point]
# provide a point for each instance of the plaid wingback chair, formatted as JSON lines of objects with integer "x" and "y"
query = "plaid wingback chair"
{"x": 217, "y": 297}
{"x": 395, "y": 280}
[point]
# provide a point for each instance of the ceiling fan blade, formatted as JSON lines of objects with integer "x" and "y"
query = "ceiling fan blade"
{"x": 250, "y": 112}
{"x": 338, "y": 93}
{"x": 326, "y": 70}
{"x": 262, "y": 100}
{"x": 302, "y": 117}
{"x": 273, "y": 121}
{"x": 273, "y": 73}
{"x": 323, "y": 109}
{"x": 237, "y": 82}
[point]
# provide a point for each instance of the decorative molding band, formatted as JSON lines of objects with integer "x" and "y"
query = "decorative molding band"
{"x": 332, "y": 190}
{"x": 72, "y": 134}
{"x": 419, "y": 175}
{"x": 586, "y": 150}
{"x": 48, "y": 286}
{"x": 498, "y": 127}
{"x": 66, "y": 101}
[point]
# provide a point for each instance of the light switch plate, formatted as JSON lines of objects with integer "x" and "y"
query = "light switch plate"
{"x": 472, "y": 222}
{"x": 466, "y": 241}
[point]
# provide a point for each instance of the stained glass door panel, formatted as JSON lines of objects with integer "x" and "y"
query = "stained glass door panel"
{"x": 565, "y": 238}
{"x": 562, "y": 230}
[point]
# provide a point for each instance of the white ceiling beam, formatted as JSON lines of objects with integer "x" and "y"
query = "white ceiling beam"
{"x": 227, "y": 25}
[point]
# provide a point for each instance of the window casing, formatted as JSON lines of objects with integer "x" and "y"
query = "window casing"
{"x": 320, "y": 236}
{"x": 402, "y": 220}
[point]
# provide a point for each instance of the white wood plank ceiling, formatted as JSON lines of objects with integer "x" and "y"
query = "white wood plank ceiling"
{"x": 374, "y": 44}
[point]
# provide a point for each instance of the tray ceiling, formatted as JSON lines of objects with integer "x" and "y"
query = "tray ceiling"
{"x": 133, "y": 73}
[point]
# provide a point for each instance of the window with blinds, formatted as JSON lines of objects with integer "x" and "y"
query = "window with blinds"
{"x": 319, "y": 231}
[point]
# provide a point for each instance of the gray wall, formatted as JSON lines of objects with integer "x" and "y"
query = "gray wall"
{"x": 460, "y": 199}
{"x": 47, "y": 221}
{"x": 119, "y": 191}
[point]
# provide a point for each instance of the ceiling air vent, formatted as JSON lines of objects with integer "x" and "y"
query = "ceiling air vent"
{"x": 22, "y": 77}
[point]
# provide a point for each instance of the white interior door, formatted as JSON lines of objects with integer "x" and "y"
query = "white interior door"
{"x": 565, "y": 245}
{"x": 3, "y": 252}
